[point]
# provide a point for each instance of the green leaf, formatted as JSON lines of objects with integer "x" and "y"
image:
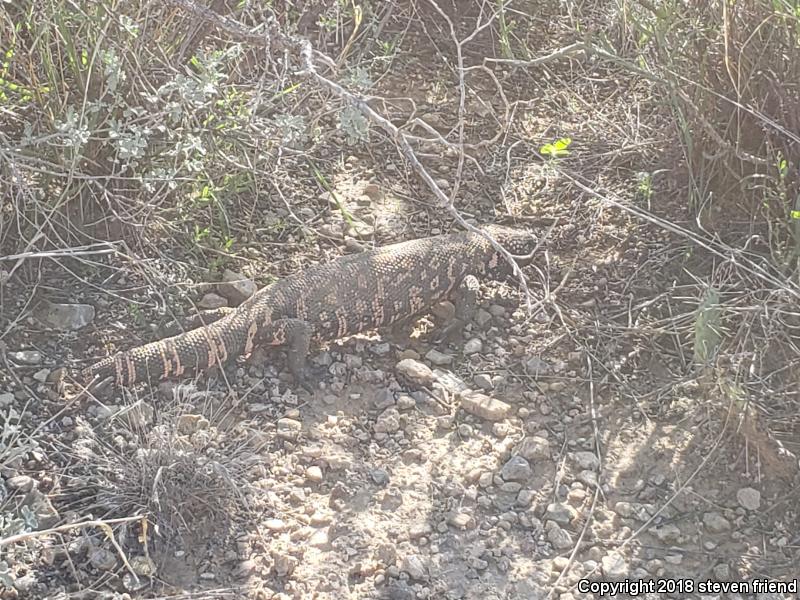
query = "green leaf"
{"x": 557, "y": 148}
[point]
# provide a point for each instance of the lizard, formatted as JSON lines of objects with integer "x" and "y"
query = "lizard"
{"x": 351, "y": 294}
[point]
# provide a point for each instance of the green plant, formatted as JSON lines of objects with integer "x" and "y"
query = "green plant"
{"x": 556, "y": 149}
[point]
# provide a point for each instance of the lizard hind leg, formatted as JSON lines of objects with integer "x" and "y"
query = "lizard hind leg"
{"x": 465, "y": 299}
{"x": 296, "y": 335}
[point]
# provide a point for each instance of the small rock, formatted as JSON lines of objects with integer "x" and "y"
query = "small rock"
{"x": 516, "y": 469}
{"x": 236, "y": 287}
{"x": 614, "y": 566}
{"x": 560, "y": 512}
{"x": 319, "y": 539}
{"x": 722, "y": 572}
{"x": 23, "y": 483}
{"x": 624, "y": 509}
{"x": 534, "y": 448}
{"x": 314, "y": 474}
{"x": 482, "y": 318}
{"x": 473, "y": 346}
{"x": 41, "y": 375}
{"x": 536, "y": 366}
{"x": 277, "y": 525}
{"x": 399, "y": 590}
{"x": 415, "y": 567}
{"x": 360, "y": 230}
{"x": 283, "y": 563}
{"x": 405, "y": 402}
{"x": 496, "y": 310}
{"x": 67, "y": 317}
{"x": 102, "y": 559}
{"x": 586, "y": 461}
{"x": 6, "y": 399}
{"x": 483, "y": 381}
{"x": 588, "y": 478}
{"x": 715, "y": 522}
{"x": 484, "y": 406}
{"x": 289, "y": 429}
{"x": 560, "y": 539}
{"x": 212, "y": 301}
{"x": 381, "y": 349}
{"x": 415, "y": 371}
{"x": 437, "y": 358}
{"x": 379, "y": 476}
{"x": 388, "y": 421}
{"x": 444, "y": 311}
{"x": 749, "y": 498}
{"x": 525, "y": 498}
{"x": 26, "y": 357}
{"x": 460, "y": 520}
{"x": 667, "y": 532}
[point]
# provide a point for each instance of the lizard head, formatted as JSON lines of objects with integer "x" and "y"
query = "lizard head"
{"x": 520, "y": 243}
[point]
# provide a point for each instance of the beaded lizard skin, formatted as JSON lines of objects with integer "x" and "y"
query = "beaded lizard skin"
{"x": 349, "y": 295}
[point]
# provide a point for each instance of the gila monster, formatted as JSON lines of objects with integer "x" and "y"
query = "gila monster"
{"x": 351, "y": 294}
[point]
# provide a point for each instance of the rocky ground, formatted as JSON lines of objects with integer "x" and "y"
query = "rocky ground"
{"x": 534, "y": 453}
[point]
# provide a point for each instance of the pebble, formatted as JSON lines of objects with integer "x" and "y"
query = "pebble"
{"x": 314, "y": 474}
{"x": 483, "y": 381}
{"x": 415, "y": 371}
{"x": 444, "y": 311}
{"x": 381, "y": 349}
{"x": 614, "y": 566}
{"x": 419, "y": 530}
{"x": 6, "y": 399}
{"x": 536, "y": 366}
{"x": 460, "y": 520}
{"x": 482, "y": 318}
{"x": 534, "y": 448}
{"x": 102, "y": 559}
{"x": 473, "y": 346}
{"x": 379, "y": 476}
{"x": 414, "y": 566}
{"x": 26, "y": 357}
{"x": 406, "y": 402}
{"x": 289, "y": 429}
{"x": 484, "y": 406}
{"x": 715, "y": 522}
{"x": 722, "y": 572}
{"x": 501, "y": 429}
{"x": 275, "y": 525}
{"x": 496, "y": 310}
{"x": 557, "y": 536}
{"x": 22, "y": 483}
{"x": 388, "y": 421}
{"x": 41, "y": 375}
{"x": 667, "y": 533}
{"x": 525, "y": 498}
{"x": 236, "y": 287}
{"x": 440, "y": 359}
{"x": 319, "y": 539}
{"x": 560, "y": 512}
{"x": 749, "y": 498}
{"x": 586, "y": 461}
{"x": 212, "y": 301}
{"x": 588, "y": 478}
{"x": 516, "y": 469}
